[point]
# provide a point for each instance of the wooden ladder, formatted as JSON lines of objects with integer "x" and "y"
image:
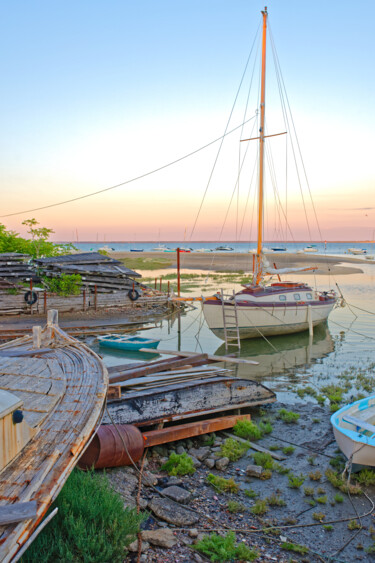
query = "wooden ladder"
{"x": 230, "y": 321}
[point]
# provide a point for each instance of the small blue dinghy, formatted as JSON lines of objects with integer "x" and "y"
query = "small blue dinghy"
{"x": 122, "y": 342}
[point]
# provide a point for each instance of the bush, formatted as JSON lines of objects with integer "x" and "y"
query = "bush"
{"x": 179, "y": 464}
{"x": 233, "y": 449}
{"x": 263, "y": 459}
{"x": 223, "y": 548}
{"x": 223, "y": 485}
{"x": 64, "y": 285}
{"x": 289, "y": 417}
{"x": 247, "y": 429}
{"x": 91, "y": 524}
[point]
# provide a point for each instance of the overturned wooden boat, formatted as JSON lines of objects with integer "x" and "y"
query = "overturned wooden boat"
{"x": 179, "y": 388}
{"x": 52, "y": 396}
{"x": 354, "y": 430}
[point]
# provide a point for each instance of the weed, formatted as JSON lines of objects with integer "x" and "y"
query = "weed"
{"x": 65, "y": 284}
{"x": 315, "y": 475}
{"x": 288, "y": 450}
{"x": 320, "y": 491}
{"x": 333, "y": 392}
{"x": 316, "y": 420}
{"x": 338, "y": 498}
{"x": 260, "y": 507}
{"x": 339, "y": 483}
{"x": 354, "y": 525}
{"x": 12, "y": 291}
{"x": 337, "y": 462}
{"x": 322, "y": 500}
{"x": 233, "y": 449}
{"x": 365, "y": 477}
{"x": 281, "y": 468}
{"x": 224, "y": 548}
{"x": 274, "y": 448}
{"x": 263, "y": 459}
{"x": 289, "y": 417}
{"x": 312, "y": 460}
{"x": 321, "y": 399}
{"x": 302, "y": 549}
{"x": 319, "y": 516}
{"x": 222, "y": 485}
{"x": 247, "y": 429}
{"x": 250, "y": 493}
{"x": 309, "y": 491}
{"x": 295, "y": 482}
{"x": 266, "y": 474}
{"x": 265, "y": 427}
{"x": 312, "y": 502}
{"x": 234, "y": 506}
{"x": 91, "y": 524}
{"x": 275, "y": 500}
{"x": 209, "y": 440}
{"x": 328, "y": 528}
{"x": 179, "y": 464}
{"x": 333, "y": 407}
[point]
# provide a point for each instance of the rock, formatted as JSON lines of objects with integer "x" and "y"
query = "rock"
{"x": 133, "y": 547}
{"x": 178, "y": 494}
{"x": 193, "y": 533}
{"x": 181, "y": 450}
{"x": 254, "y": 470}
{"x": 172, "y": 512}
{"x": 209, "y": 462}
{"x": 173, "y": 480}
{"x": 196, "y": 463}
{"x": 217, "y": 449}
{"x": 161, "y": 538}
{"x": 189, "y": 444}
{"x": 222, "y": 463}
{"x": 200, "y": 453}
{"x": 149, "y": 479}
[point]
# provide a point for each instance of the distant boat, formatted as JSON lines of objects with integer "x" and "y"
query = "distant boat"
{"x": 136, "y": 250}
{"x": 161, "y": 248}
{"x": 183, "y": 249}
{"x": 354, "y": 430}
{"x": 122, "y": 342}
{"x": 106, "y": 249}
{"x": 357, "y": 250}
{"x": 224, "y": 249}
{"x": 279, "y": 249}
{"x": 311, "y": 248}
{"x": 202, "y": 250}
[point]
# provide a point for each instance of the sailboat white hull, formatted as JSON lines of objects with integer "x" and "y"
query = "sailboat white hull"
{"x": 256, "y": 321}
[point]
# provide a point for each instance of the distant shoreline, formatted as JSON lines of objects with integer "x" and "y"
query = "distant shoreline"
{"x": 186, "y": 243}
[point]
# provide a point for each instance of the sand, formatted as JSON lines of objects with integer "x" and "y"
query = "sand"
{"x": 235, "y": 261}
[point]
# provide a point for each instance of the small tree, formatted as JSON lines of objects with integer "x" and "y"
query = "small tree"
{"x": 39, "y": 235}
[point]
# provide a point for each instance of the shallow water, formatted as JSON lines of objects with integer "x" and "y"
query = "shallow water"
{"x": 345, "y": 344}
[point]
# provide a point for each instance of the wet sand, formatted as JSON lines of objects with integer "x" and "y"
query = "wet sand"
{"x": 235, "y": 261}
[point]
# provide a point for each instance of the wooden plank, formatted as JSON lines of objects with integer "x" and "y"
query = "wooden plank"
{"x": 211, "y": 357}
{"x": 160, "y": 366}
{"x": 17, "y": 512}
{"x": 360, "y": 423}
{"x": 183, "y": 431}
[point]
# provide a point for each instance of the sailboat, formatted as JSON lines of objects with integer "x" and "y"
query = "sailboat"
{"x": 259, "y": 309}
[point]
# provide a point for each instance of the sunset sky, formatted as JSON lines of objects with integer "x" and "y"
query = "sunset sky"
{"x": 97, "y": 93}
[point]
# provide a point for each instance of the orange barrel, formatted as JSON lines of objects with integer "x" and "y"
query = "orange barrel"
{"x": 107, "y": 448}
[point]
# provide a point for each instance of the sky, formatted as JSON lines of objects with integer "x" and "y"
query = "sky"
{"x": 97, "y": 93}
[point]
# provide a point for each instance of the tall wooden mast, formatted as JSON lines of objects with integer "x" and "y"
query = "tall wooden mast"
{"x": 258, "y": 268}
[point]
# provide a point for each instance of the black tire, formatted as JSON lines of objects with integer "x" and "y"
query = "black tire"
{"x": 133, "y": 294}
{"x": 31, "y": 297}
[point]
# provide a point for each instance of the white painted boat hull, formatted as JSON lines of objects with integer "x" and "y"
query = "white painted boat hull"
{"x": 355, "y": 443}
{"x": 255, "y": 321}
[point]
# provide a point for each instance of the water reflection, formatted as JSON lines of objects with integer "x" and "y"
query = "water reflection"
{"x": 283, "y": 353}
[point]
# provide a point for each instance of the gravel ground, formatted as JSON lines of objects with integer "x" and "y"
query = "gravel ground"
{"x": 314, "y": 449}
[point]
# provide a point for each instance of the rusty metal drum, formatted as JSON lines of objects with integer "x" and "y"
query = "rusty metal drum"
{"x": 107, "y": 447}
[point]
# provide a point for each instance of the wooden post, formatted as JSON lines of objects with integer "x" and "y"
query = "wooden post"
{"x": 31, "y": 288}
{"x": 309, "y": 319}
{"x": 160, "y": 285}
{"x": 45, "y": 301}
{"x": 178, "y": 272}
{"x": 156, "y": 282}
{"x": 52, "y": 317}
{"x": 169, "y": 287}
{"x": 37, "y": 336}
{"x": 84, "y": 299}
{"x": 96, "y": 298}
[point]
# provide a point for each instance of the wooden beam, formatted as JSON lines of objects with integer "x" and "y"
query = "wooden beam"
{"x": 211, "y": 357}
{"x": 17, "y": 512}
{"x": 183, "y": 431}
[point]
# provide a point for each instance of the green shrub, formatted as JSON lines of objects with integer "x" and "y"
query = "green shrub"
{"x": 295, "y": 482}
{"x": 263, "y": 459}
{"x": 234, "y": 506}
{"x": 233, "y": 449}
{"x": 289, "y": 417}
{"x": 260, "y": 507}
{"x": 319, "y": 516}
{"x": 91, "y": 524}
{"x": 365, "y": 477}
{"x": 338, "y": 498}
{"x": 295, "y": 547}
{"x": 322, "y": 500}
{"x": 288, "y": 450}
{"x": 224, "y": 548}
{"x": 64, "y": 285}
{"x": 247, "y": 429}
{"x": 265, "y": 427}
{"x": 275, "y": 500}
{"x": 179, "y": 464}
{"x": 309, "y": 491}
{"x": 222, "y": 485}
{"x": 250, "y": 493}
{"x": 315, "y": 475}
{"x": 354, "y": 525}
{"x": 339, "y": 483}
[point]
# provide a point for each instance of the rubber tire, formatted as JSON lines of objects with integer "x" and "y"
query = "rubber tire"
{"x": 133, "y": 294}
{"x": 31, "y": 297}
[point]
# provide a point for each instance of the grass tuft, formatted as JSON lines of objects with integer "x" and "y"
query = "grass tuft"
{"x": 289, "y": 417}
{"x": 247, "y": 429}
{"x": 302, "y": 549}
{"x": 179, "y": 464}
{"x": 295, "y": 481}
{"x": 222, "y": 485}
{"x": 224, "y": 548}
{"x": 263, "y": 459}
{"x": 260, "y": 507}
{"x": 233, "y": 449}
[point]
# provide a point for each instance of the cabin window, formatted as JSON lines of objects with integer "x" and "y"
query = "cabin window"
{"x": 297, "y": 297}
{"x": 308, "y": 295}
{"x": 282, "y": 297}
